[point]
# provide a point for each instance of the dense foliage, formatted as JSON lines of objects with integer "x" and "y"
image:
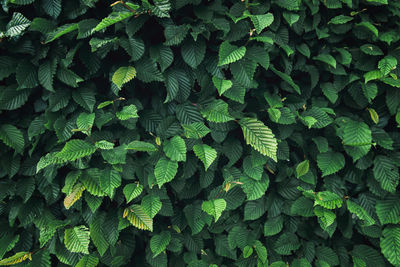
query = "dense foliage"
{"x": 200, "y": 133}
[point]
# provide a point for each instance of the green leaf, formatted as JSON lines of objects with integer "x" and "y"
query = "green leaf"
{"x": 175, "y": 149}
{"x": 259, "y": 136}
{"x": 127, "y": 112}
{"x": 206, "y": 154}
{"x": 60, "y": 31}
{"x": 371, "y": 49}
{"x": 195, "y": 130}
{"x": 386, "y": 173}
{"x": 330, "y": 162}
{"x": 12, "y": 137}
{"x": 17, "y": 25}
{"x": 341, "y": 19}
{"x": 132, "y": 191}
{"x": 151, "y": 205}
{"x": 388, "y": 210}
{"x": 372, "y": 75}
{"x": 103, "y": 144}
{"x": 46, "y": 73}
{"x": 123, "y": 75}
{"x": 141, "y": 146}
{"x": 77, "y": 239}
{"x": 52, "y": 7}
{"x": 261, "y": 22}
{"x": 85, "y": 122}
{"x": 357, "y": 139}
{"x": 161, "y": 8}
{"x": 88, "y": 261}
{"x": 138, "y": 218}
{"x": 286, "y": 78}
{"x": 165, "y": 170}
{"x": 174, "y": 35}
{"x": 109, "y": 180}
{"x": 328, "y": 200}
{"x": 302, "y": 168}
{"x": 291, "y": 18}
{"x": 216, "y": 111}
{"x": 387, "y": 64}
{"x": 361, "y": 213}
{"x": 113, "y": 18}
{"x": 193, "y": 52}
{"x": 159, "y": 243}
{"x": 214, "y": 207}
{"x": 229, "y": 53}
{"x": 221, "y": 84}
{"x": 390, "y": 244}
{"x": 369, "y": 27}
{"x": 75, "y": 149}
{"x": 326, "y": 58}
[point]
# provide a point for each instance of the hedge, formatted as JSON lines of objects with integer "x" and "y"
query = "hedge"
{"x": 199, "y": 133}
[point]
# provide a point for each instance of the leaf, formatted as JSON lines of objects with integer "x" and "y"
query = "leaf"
{"x": 302, "y": 168}
{"x": 229, "y": 53}
{"x": 132, "y": 191}
{"x": 138, "y": 218}
{"x": 328, "y": 200}
{"x": 341, "y": 19}
{"x": 326, "y": 58}
{"x": 165, "y": 170}
{"x": 77, "y": 239}
{"x": 141, "y": 146}
{"x": 127, "y": 112}
{"x": 214, "y": 207}
{"x": 88, "y": 261}
{"x": 75, "y": 149}
{"x": 387, "y": 64}
{"x": 123, "y": 75}
{"x": 386, "y": 173}
{"x": 221, "y": 85}
{"x": 286, "y": 78}
{"x": 52, "y": 7}
{"x": 206, "y": 154}
{"x": 371, "y": 49}
{"x": 259, "y": 136}
{"x": 195, "y": 130}
{"x": 372, "y": 75}
{"x": 17, "y": 25}
{"x": 113, "y": 18}
{"x": 357, "y": 138}
{"x": 85, "y": 122}
{"x": 60, "y": 31}
{"x": 361, "y": 213}
{"x": 330, "y": 162}
{"x": 261, "y": 22}
{"x": 159, "y": 243}
{"x": 388, "y": 210}
{"x": 161, "y": 8}
{"x": 193, "y": 52}
{"x": 74, "y": 195}
{"x": 174, "y": 35}
{"x": 16, "y": 258}
{"x": 175, "y": 149}
{"x": 216, "y": 111}
{"x": 374, "y": 115}
{"x": 151, "y": 205}
{"x": 109, "y": 180}
{"x": 46, "y": 74}
{"x": 390, "y": 244}
{"x": 369, "y": 27}
{"x": 12, "y": 137}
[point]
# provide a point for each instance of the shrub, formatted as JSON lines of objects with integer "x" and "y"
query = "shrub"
{"x": 199, "y": 133}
